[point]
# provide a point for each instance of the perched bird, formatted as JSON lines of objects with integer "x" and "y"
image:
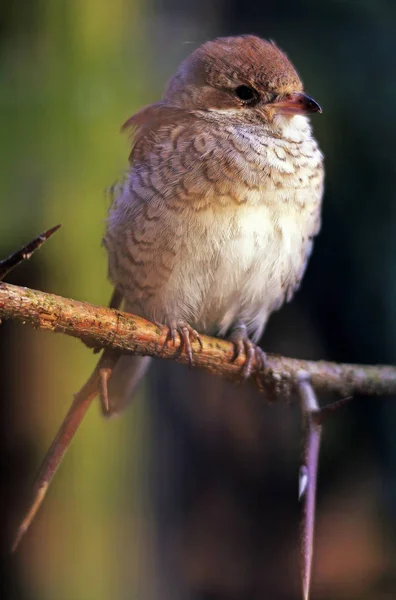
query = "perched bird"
{"x": 212, "y": 227}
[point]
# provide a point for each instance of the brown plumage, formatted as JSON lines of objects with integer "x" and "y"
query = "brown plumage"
{"x": 213, "y": 225}
{"x": 212, "y": 229}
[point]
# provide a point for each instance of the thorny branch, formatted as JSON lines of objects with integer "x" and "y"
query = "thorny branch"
{"x": 118, "y": 332}
{"x": 101, "y": 327}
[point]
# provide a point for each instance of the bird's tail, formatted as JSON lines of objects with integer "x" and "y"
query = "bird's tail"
{"x": 123, "y": 382}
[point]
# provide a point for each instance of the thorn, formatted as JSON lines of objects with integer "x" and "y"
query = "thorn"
{"x": 104, "y": 396}
{"x": 302, "y": 481}
{"x": 326, "y": 411}
{"x": 24, "y": 526}
{"x": 108, "y": 363}
{"x": 25, "y": 252}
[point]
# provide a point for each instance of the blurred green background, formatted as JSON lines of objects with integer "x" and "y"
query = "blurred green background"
{"x": 192, "y": 493}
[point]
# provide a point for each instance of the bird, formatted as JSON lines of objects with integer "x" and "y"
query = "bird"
{"x": 212, "y": 226}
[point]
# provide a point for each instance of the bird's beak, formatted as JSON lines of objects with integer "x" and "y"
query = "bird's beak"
{"x": 296, "y": 104}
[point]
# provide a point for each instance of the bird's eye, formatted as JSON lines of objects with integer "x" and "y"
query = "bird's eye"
{"x": 246, "y": 94}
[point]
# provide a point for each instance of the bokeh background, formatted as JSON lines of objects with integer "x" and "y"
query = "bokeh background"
{"x": 192, "y": 494}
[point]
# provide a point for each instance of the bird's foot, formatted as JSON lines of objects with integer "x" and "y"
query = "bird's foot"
{"x": 187, "y": 335}
{"x": 253, "y": 353}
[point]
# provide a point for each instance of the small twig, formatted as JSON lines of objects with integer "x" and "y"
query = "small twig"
{"x": 81, "y": 403}
{"x": 25, "y": 252}
{"x": 329, "y": 409}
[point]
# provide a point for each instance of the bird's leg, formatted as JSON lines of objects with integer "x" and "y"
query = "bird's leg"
{"x": 253, "y": 353}
{"x": 187, "y": 335}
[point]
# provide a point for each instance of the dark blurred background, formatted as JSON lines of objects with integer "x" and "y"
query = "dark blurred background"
{"x": 192, "y": 494}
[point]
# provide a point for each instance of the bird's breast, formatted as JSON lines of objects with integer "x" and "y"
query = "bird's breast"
{"x": 223, "y": 238}
{"x": 255, "y": 256}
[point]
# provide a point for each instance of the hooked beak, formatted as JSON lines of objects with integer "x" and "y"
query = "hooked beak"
{"x": 296, "y": 104}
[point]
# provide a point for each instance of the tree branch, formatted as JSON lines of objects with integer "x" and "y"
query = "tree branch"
{"x": 119, "y": 332}
{"x": 108, "y": 328}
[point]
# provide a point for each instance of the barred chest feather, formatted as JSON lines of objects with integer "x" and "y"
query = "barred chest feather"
{"x": 253, "y": 256}
{"x": 234, "y": 261}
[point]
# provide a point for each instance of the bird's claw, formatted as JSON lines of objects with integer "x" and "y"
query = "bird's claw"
{"x": 187, "y": 335}
{"x": 253, "y": 353}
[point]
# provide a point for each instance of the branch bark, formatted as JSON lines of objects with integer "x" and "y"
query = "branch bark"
{"x": 101, "y": 327}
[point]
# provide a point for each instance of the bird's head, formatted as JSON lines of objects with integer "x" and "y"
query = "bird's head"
{"x": 244, "y": 74}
